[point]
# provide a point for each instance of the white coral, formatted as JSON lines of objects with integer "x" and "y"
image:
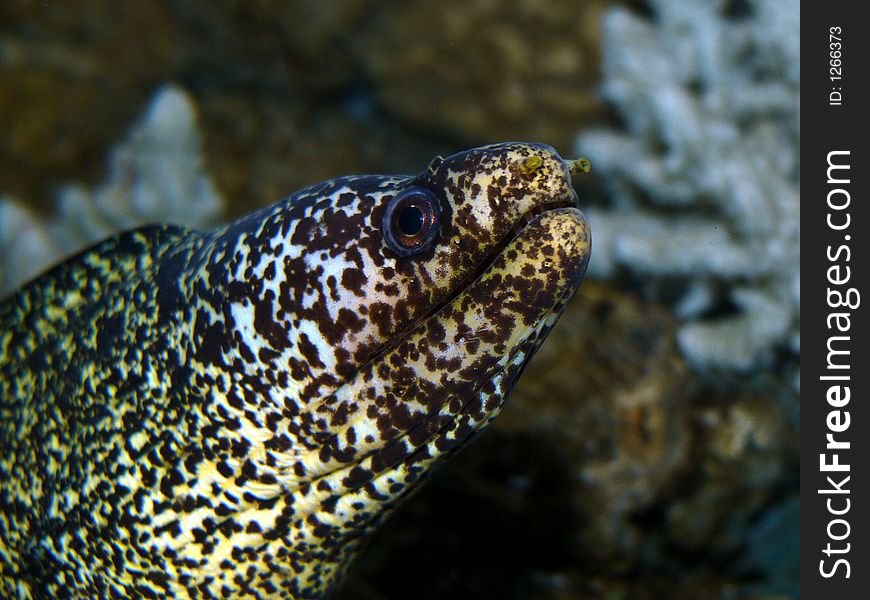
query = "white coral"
{"x": 157, "y": 175}
{"x": 703, "y": 179}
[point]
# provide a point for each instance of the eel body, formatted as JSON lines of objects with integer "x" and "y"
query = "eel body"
{"x": 231, "y": 413}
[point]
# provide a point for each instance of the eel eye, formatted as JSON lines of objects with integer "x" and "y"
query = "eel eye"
{"x": 412, "y": 221}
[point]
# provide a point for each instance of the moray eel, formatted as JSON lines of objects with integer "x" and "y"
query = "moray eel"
{"x": 231, "y": 413}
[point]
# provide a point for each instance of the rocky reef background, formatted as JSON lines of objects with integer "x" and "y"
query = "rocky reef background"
{"x": 651, "y": 448}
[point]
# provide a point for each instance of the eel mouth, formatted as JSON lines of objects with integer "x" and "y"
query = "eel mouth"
{"x": 482, "y": 267}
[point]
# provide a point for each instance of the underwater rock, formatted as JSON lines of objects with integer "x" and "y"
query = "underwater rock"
{"x": 281, "y": 99}
{"x": 72, "y": 77}
{"x": 322, "y": 50}
{"x": 702, "y": 180}
{"x": 610, "y": 391}
{"x": 746, "y": 454}
{"x": 281, "y": 104}
{"x": 289, "y": 93}
{"x": 260, "y": 149}
{"x": 490, "y": 70}
{"x": 157, "y": 175}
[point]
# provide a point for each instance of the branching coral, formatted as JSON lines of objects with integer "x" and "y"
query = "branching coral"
{"x": 703, "y": 178}
{"x": 156, "y": 176}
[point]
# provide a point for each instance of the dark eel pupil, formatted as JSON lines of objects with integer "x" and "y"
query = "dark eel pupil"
{"x": 412, "y": 222}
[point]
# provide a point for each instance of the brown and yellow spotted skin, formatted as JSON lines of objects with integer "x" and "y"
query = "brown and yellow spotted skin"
{"x": 231, "y": 414}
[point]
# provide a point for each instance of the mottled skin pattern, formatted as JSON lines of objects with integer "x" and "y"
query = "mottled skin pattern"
{"x": 231, "y": 414}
